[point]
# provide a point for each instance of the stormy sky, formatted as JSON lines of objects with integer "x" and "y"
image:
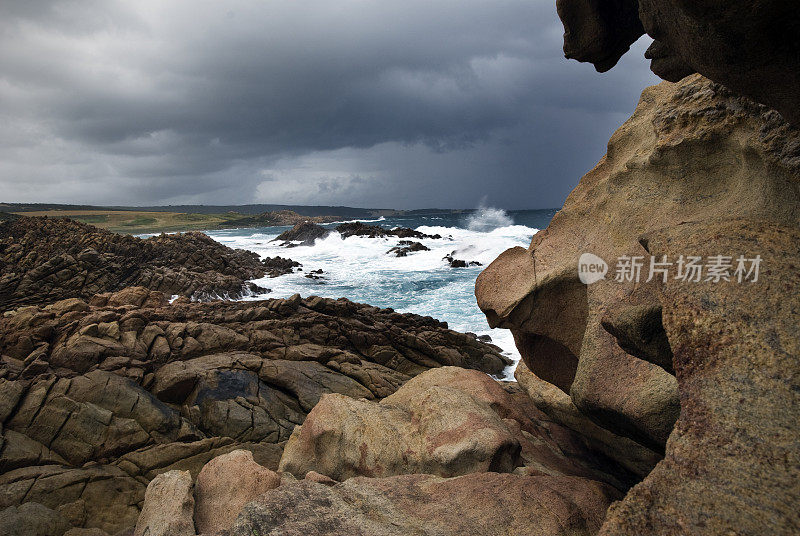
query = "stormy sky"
{"x": 371, "y": 103}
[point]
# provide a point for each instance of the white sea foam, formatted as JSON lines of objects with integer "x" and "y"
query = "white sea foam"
{"x": 488, "y": 218}
{"x": 382, "y": 218}
{"x": 360, "y": 269}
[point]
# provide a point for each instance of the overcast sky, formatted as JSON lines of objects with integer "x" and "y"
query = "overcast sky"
{"x": 372, "y": 103}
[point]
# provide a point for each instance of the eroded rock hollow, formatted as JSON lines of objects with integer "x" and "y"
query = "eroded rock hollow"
{"x": 751, "y": 46}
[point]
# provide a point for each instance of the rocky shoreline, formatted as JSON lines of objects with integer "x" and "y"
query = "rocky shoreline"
{"x": 648, "y": 402}
{"x": 43, "y": 260}
{"x": 100, "y": 397}
{"x": 113, "y": 405}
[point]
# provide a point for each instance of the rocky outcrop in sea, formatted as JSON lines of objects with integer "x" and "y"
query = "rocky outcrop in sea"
{"x": 376, "y": 231}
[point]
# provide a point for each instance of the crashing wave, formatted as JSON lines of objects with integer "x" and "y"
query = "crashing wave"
{"x": 486, "y": 219}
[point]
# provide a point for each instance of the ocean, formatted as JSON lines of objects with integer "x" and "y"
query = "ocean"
{"x": 359, "y": 268}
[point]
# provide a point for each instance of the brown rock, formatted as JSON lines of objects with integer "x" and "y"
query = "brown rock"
{"x": 193, "y": 456}
{"x": 443, "y": 432}
{"x": 112, "y": 498}
{"x": 168, "y": 506}
{"x": 446, "y": 421}
{"x": 31, "y": 519}
{"x": 695, "y": 172}
{"x": 138, "y": 296}
{"x": 68, "y": 306}
{"x": 104, "y": 398}
{"x": 632, "y": 456}
{"x": 225, "y": 485}
{"x": 85, "y": 532}
{"x": 734, "y": 450}
{"x": 314, "y": 476}
{"x": 678, "y": 147}
{"x": 476, "y": 504}
{"x": 45, "y": 260}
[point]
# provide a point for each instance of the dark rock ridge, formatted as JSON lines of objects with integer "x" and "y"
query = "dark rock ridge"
{"x": 98, "y": 398}
{"x": 705, "y": 370}
{"x": 404, "y": 247}
{"x": 280, "y": 218}
{"x": 376, "y": 231}
{"x": 458, "y": 263}
{"x": 277, "y": 266}
{"x": 315, "y": 274}
{"x": 7, "y": 216}
{"x": 305, "y": 232}
{"x": 44, "y": 260}
{"x": 751, "y": 46}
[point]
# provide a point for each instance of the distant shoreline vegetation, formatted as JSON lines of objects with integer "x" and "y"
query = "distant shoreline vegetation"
{"x": 141, "y": 220}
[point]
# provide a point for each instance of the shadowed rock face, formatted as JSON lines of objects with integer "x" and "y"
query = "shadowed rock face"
{"x": 306, "y": 233}
{"x": 97, "y": 399}
{"x": 697, "y": 171}
{"x": 599, "y": 32}
{"x": 753, "y": 47}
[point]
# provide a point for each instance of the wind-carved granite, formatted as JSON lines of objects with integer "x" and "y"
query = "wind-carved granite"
{"x": 751, "y": 46}
{"x": 706, "y": 372}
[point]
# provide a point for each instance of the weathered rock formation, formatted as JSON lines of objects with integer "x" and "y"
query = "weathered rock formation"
{"x": 478, "y": 504}
{"x": 449, "y": 422}
{"x": 43, "y": 260}
{"x": 168, "y": 508}
{"x": 225, "y": 485}
{"x": 32, "y": 519}
{"x": 696, "y": 172}
{"x": 302, "y": 234}
{"x": 733, "y": 461}
{"x": 445, "y": 422}
{"x": 96, "y": 399}
{"x": 750, "y": 46}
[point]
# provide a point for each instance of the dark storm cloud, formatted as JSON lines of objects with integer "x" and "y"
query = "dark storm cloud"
{"x": 359, "y": 102}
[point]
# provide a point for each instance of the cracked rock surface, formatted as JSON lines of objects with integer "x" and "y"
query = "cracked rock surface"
{"x": 98, "y": 398}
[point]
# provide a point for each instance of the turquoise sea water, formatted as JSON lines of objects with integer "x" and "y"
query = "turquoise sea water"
{"x": 359, "y": 268}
